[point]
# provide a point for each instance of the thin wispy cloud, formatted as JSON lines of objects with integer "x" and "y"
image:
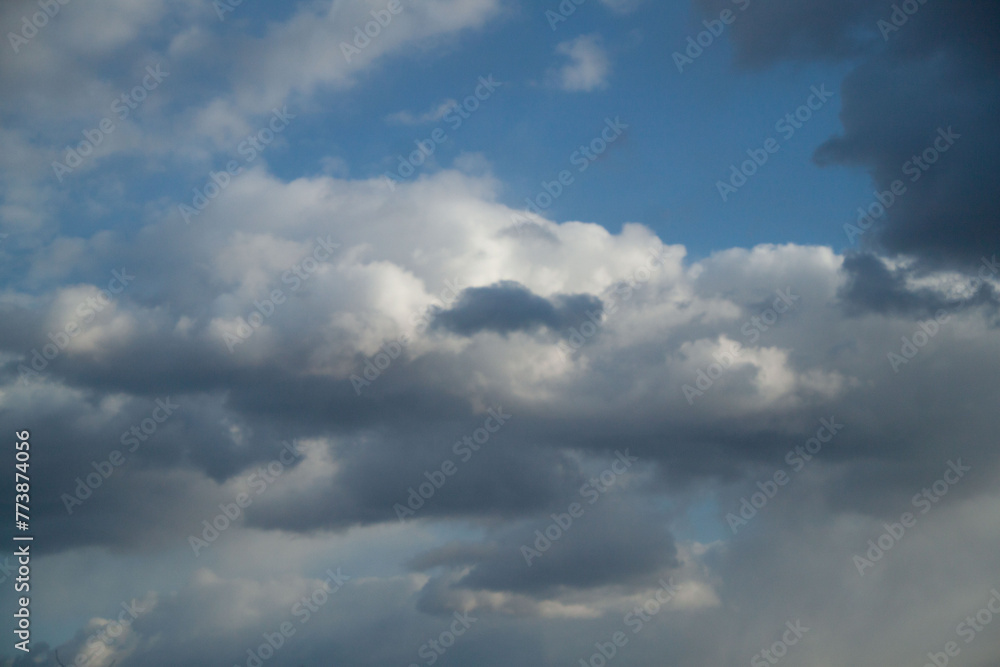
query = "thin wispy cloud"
{"x": 432, "y": 115}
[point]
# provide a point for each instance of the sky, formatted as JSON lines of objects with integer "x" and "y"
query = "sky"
{"x": 480, "y": 332}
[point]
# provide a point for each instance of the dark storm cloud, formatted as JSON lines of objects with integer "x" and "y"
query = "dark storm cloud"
{"x": 768, "y": 30}
{"x": 379, "y": 477}
{"x": 612, "y": 540}
{"x": 508, "y": 306}
{"x": 131, "y": 481}
{"x": 873, "y": 287}
{"x": 927, "y": 123}
{"x": 939, "y": 68}
{"x": 451, "y": 555}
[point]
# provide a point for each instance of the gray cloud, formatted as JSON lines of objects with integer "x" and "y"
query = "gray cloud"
{"x": 936, "y": 70}
{"x": 508, "y": 306}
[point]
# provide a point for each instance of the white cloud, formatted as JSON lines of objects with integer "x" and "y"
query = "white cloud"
{"x": 589, "y": 65}
{"x": 62, "y": 87}
{"x": 308, "y": 51}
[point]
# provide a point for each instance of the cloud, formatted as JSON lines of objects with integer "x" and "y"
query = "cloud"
{"x": 876, "y": 287}
{"x": 622, "y": 388}
{"x": 611, "y": 543}
{"x": 271, "y": 68}
{"x": 935, "y": 73}
{"x": 587, "y": 338}
{"x": 231, "y": 79}
{"x": 767, "y": 32}
{"x": 434, "y": 114}
{"x": 653, "y": 338}
{"x": 941, "y": 150}
{"x": 589, "y": 66}
{"x": 508, "y": 306}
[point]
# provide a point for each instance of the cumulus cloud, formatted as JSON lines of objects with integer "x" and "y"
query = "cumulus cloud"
{"x": 650, "y": 323}
{"x": 503, "y": 339}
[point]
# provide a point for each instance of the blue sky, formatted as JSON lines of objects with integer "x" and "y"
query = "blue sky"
{"x": 685, "y": 128}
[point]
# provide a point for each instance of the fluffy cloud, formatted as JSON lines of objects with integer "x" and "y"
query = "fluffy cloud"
{"x": 655, "y": 325}
{"x": 588, "y": 68}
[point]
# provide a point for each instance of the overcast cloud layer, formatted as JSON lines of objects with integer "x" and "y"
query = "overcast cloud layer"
{"x": 483, "y": 434}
